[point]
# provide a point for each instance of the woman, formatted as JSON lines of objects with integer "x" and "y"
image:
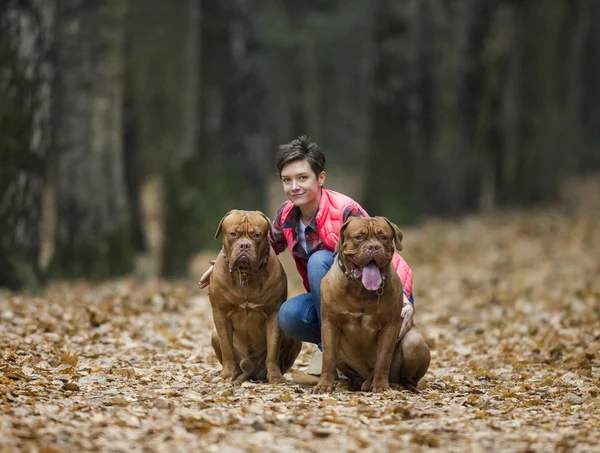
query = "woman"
{"x": 309, "y": 224}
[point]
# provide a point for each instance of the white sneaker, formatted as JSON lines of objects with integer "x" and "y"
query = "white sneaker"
{"x": 316, "y": 366}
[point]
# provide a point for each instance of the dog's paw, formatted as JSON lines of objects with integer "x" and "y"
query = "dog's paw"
{"x": 241, "y": 378}
{"x": 228, "y": 375}
{"x": 380, "y": 386}
{"x": 276, "y": 379}
{"x": 381, "y": 389}
{"x": 410, "y": 387}
{"x": 324, "y": 387}
{"x": 366, "y": 385}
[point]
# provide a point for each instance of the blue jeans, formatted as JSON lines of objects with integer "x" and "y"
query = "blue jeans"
{"x": 300, "y": 316}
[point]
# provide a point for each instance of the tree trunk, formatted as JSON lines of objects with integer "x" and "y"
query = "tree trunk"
{"x": 591, "y": 102}
{"x": 27, "y": 33}
{"x": 542, "y": 155}
{"x": 191, "y": 93}
{"x": 575, "y": 66}
{"x": 451, "y": 150}
{"x": 94, "y": 235}
{"x": 510, "y": 115}
{"x": 396, "y": 113}
{"x": 498, "y": 44}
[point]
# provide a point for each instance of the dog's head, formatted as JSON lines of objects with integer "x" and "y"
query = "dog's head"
{"x": 245, "y": 238}
{"x": 367, "y": 246}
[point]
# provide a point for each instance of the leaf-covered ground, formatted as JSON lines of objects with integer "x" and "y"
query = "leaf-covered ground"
{"x": 509, "y": 303}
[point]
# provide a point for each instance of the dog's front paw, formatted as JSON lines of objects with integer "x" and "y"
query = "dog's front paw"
{"x": 276, "y": 378}
{"x": 323, "y": 387}
{"x": 381, "y": 387}
{"x": 228, "y": 374}
{"x": 410, "y": 387}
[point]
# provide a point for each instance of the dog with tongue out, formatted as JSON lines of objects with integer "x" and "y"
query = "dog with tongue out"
{"x": 361, "y": 306}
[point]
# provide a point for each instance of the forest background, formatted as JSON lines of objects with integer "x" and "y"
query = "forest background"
{"x": 128, "y": 128}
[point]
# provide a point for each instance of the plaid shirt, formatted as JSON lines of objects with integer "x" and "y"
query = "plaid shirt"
{"x": 313, "y": 241}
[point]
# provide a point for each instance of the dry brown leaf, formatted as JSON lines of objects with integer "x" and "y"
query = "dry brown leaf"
{"x": 69, "y": 358}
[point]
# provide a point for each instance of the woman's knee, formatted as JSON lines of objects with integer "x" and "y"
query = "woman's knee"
{"x": 291, "y": 314}
{"x": 297, "y": 318}
{"x": 320, "y": 262}
{"x": 287, "y": 317}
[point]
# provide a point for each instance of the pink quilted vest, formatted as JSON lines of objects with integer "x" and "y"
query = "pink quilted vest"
{"x": 329, "y": 222}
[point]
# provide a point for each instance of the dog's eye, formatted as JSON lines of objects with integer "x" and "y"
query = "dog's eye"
{"x": 232, "y": 234}
{"x": 383, "y": 237}
{"x": 256, "y": 235}
{"x": 358, "y": 237}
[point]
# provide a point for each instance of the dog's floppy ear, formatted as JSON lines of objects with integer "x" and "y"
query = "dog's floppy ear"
{"x": 220, "y": 228}
{"x": 268, "y": 222}
{"x": 338, "y": 247}
{"x": 398, "y": 234}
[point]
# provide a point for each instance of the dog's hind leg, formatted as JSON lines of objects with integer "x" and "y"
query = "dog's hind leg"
{"x": 288, "y": 353}
{"x": 415, "y": 356}
{"x": 216, "y": 344}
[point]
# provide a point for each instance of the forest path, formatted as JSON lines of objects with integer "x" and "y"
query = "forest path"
{"x": 510, "y": 304}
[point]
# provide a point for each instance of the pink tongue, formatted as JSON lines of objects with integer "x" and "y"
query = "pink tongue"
{"x": 371, "y": 277}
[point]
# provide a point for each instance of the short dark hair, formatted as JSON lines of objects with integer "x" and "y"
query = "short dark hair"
{"x": 301, "y": 148}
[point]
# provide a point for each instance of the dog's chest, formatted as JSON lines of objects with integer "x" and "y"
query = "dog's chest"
{"x": 240, "y": 308}
{"x": 359, "y": 322}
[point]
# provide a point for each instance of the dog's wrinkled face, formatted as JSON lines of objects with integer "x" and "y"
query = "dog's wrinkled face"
{"x": 367, "y": 246}
{"x": 245, "y": 238}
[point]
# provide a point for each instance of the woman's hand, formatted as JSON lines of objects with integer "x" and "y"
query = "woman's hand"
{"x": 205, "y": 279}
{"x": 408, "y": 312}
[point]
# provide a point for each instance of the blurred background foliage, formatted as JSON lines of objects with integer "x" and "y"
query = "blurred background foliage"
{"x": 128, "y": 128}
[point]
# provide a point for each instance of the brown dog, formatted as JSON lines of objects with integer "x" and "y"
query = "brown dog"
{"x": 247, "y": 287}
{"x": 361, "y": 305}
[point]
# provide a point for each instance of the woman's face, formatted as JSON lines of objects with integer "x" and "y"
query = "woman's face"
{"x": 301, "y": 185}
